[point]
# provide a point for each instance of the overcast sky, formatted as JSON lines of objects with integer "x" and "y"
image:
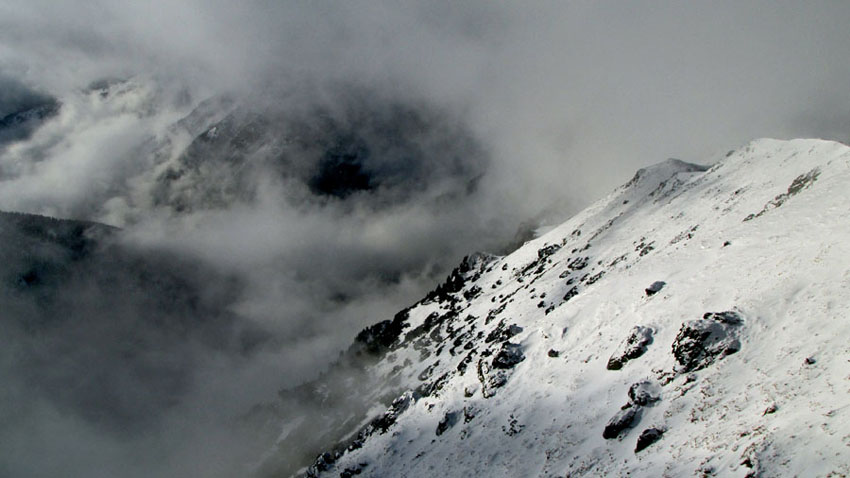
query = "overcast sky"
{"x": 560, "y": 101}
{"x": 574, "y": 94}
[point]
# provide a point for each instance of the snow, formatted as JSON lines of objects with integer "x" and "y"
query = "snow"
{"x": 779, "y": 406}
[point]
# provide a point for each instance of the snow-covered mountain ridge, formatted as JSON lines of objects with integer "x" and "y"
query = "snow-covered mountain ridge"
{"x": 700, "y": 315}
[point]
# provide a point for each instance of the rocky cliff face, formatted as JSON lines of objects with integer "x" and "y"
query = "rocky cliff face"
{"x": 692, "y": 323}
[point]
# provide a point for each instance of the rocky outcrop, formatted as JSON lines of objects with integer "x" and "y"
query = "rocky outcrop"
{"x": 644, "y": 393}
{"x": 622, "y": 421}
{"x": 700, "y": 343}
{"x": 654, "y": 288}
{"x": 648, "y": 437}
{"x": 631, "y": 348}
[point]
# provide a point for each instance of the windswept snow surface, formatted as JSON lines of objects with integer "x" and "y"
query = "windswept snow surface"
{"x": 504, "y": 370}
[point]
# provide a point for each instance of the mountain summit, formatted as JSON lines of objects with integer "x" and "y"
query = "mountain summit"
{"x": 692, "y": 323}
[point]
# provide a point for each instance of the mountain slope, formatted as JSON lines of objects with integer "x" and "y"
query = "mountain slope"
{"x": 699, "y": 315}
{"x": 102, "y": 329}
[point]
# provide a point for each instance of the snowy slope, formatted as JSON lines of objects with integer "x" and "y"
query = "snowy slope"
{"x": 517, "y": 366}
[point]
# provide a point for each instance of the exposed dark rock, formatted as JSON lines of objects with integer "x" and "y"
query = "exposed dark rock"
{"x": 729, "y": 317}
{"x": 631, "y": 348}
{"x": 618, "y": 260}
{"x": 431, "y": 325}
{"x": 700, "y": 343}
{"x": 623, "y": 420}
{"x": 333, "y": 418}
{"x": 571, "y": 293}
{"x": 323, "y": 462}
{"x": 685, "y": 235}
{"x": 502, "y": 333}
{"x": 655, "y": 287}
{"x": 510, "y": 355}
{"x": 448, "y": 421}
{"x": 514, "y": 427}
{"x": 648, "y": 437}
{"x": 426, "y": 373}
{"x": 433, "y": 388}
{"x": 464, "y": 363}
{"x": 644, "y": 393}
{"x": 436, "y": 337}
{"x": 472, "y": 293}
{"x": 377, "y": 339}
{"x": 547, "y": 251}
{"x": 490, "y": 378}
{"x": 800, "y": 183}
{"x": 469, "y": 270}
{"x": 382, "y": 423}
{"x": 553, "y": 353}
{"x": 351, "y": 471}
{"x": 495, "y": 380}
{"x": 595, "y": 277}
{"x": 578, "y": 263}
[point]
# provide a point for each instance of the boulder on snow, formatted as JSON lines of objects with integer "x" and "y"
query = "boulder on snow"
{"x": 700, "y": 343}
{"x": 623, "y": 420}
{"x": 448, "y": 421}
{"x": 510, "y": 355}
{"x": 644, "y": 393}
{"x": 633, "y": 347}
{"x": 648, "y": 437}
{"x": 654, "y": 288}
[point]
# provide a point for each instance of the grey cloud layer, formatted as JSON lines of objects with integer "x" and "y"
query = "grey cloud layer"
{"x": 563, "y": 85}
